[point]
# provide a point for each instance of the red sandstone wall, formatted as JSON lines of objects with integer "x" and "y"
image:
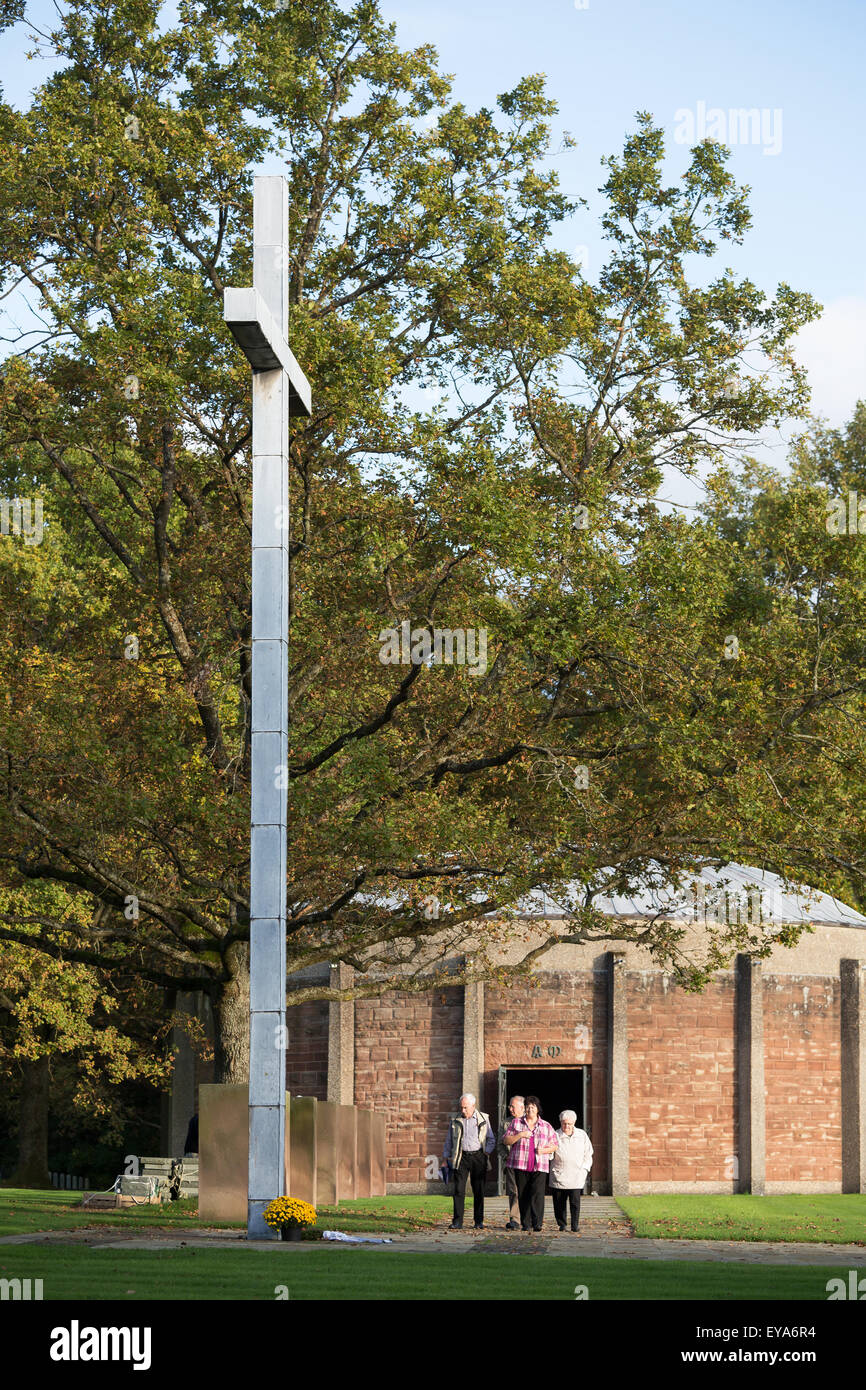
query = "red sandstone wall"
{"x": 408, "y": 1063}
{"x": 802, "y": 1066}
{"x": 681, "y": 1081}
{"x": 307, "y": 1051}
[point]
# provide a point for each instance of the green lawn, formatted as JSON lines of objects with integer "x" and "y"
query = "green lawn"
{"x": 839, "y": 1219}
{"x": 350, "y": 1273}
{"x": 23, "y": 1210}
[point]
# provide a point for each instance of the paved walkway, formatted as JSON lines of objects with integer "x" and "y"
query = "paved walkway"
{"x": 596, "y": 1242}
{"x": 591, "y": 1209}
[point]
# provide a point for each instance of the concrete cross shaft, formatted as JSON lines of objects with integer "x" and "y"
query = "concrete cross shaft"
{"x": 259, "y": 320}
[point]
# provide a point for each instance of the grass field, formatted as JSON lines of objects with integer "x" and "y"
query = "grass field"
{"x": 23, "y": 1210}
{"x": 834, "y": 1218}
{"x": 347, "y": 1273}
{"x": 351, "y": 1273}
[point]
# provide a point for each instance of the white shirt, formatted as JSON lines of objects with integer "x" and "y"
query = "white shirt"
{"x": 572, "y": 1161}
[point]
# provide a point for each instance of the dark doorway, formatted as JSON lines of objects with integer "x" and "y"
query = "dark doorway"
{"x": 557, "y": 1089}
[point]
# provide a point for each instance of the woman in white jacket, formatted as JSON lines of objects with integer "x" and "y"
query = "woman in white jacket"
{"x": 568, "y": 1169}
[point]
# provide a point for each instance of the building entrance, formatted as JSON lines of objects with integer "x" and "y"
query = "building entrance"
{"x": 557, "y": 1089}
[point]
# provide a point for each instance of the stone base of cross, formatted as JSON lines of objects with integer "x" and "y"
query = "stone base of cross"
{"x": 259, "y": 320}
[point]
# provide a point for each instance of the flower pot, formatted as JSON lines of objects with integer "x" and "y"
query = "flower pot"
{"x": 291, "y": 1232}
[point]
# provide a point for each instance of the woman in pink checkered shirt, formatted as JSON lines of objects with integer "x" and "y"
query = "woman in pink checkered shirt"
{"x": 531, "y": 1141}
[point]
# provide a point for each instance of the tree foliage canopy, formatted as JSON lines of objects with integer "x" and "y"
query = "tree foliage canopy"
{"x": 488, "y": 434}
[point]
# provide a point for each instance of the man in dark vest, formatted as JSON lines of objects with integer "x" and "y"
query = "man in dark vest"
{"x": 516, "y": 1111}
{"x": 469, "y": 1140}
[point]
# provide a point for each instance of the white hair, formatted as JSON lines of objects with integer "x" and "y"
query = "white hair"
{"x": 568, "y": 1115}
{"x": 468, "y": 1096}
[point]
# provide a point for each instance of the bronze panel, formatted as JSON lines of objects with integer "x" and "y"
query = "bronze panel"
{"x": 287, "y": 1171}
{"x": 223, "y": 1159}
{"x": 347, "y": 1138}
{"x": 223, "y": 1125}
{"x": 364, "y": 1163}
{"x": 303, "y": 1155}
{"x": 379, "y": 1165}
{"x": 326, "y": 1152}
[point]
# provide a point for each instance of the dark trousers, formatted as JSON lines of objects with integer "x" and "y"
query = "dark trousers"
{"x": 530, "y": 1198}
{"x": 474, "y": 1168}
{"x": 511, "y": 1194}
{"x": 573, "y": 1196}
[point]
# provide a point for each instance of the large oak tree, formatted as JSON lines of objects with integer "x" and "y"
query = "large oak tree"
{"x": 488, "y": 434}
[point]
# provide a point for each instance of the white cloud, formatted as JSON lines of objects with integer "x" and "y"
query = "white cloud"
{"x": 833, "y": 350}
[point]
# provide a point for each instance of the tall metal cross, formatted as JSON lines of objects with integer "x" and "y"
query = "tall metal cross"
{"x": 259, "y": 320}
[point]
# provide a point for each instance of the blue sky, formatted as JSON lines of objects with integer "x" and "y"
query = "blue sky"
{"x": 799, "y": 64}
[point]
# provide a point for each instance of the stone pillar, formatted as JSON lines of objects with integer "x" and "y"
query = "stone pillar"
{"x": 853, "y": 977}
{"x": 473, "y": 1039}
{"x": 751, "y": 1114}
{"x": 617, "y": 1072}
{"x": 341, "y": 1040}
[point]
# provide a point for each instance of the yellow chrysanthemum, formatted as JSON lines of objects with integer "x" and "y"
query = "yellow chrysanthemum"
{"x": 289, "y": 1211}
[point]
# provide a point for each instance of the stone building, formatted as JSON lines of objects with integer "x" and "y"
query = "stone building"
{"x": 758, "y": 1084}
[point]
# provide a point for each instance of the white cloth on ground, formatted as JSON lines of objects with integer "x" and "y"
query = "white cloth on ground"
{"x": 356, "y": 1240}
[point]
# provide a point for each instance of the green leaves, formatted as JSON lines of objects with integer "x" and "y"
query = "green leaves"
{"x": 488, "y": 437}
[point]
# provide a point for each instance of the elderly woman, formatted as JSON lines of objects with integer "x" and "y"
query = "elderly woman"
{"x": 530, "y": 1141}
{"x": 568, "y": 1169}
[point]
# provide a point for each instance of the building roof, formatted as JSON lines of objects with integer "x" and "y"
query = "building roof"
{"x": 754, "y": 894}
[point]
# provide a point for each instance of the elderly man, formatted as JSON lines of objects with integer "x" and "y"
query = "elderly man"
{"x": 568, "y": 1169}
{"x": 516, "y": 1111}
{"x": 469, "y": 1140}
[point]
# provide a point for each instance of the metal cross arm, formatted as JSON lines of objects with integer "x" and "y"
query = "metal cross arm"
{"x": 259, "y": 338}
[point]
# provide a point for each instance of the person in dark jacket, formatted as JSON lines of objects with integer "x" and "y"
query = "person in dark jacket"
{"x": 469, "y": 1140}
{"x": 191, "y": 1142}
{"x": 515, "y": 1110}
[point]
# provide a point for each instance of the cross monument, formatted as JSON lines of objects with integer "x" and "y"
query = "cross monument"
{"x": 259, "y": 320}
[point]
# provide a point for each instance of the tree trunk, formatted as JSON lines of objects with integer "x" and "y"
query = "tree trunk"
{"x": 231, "y": 1011}
{"x": 32, "y": 1170}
